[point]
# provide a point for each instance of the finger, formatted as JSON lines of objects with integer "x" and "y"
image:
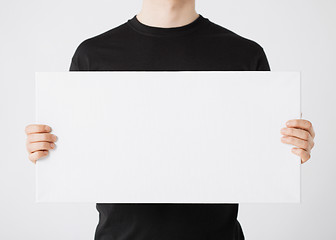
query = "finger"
{"x": 312, "y": 132}
{"x": 38, "y": 146}
{"x": 37, "y": 155}
{"x": 302, "y": 153}
{"x": 37, "y": 128}
{"x": 297, "y": 132}
{"x": 303, "y": 124}
{"x": 41, "y": 137}
{"x": 297, "y": 142}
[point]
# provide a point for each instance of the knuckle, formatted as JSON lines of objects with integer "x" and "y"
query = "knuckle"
{"x": 305, "y": 144}
{"x": 31, "y": 157}
{"x": 28, "y": 147}
{"x": 306, "y": 135}
{"x": 40, "y": 154}
{"x": 308, "y": 124}
{"x": 54, "y": 137}
{"x": 51, "y": 137}
{"x": 310, "y": 145}
{"x": 46, "y": 128}
{"x": 307, "y": 156}
{"x": 300, "y": 152}
{"x": 28, "y": 127}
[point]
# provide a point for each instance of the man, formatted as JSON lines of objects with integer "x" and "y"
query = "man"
{"x": 168, "y": 35}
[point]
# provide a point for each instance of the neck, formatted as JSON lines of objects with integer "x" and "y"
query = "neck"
{"x": 167, "y": 13}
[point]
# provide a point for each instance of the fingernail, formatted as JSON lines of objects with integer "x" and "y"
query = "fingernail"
{"x": 52, "y": 145}
{"x": 287, "y": 123}
{"x": 47, "y": 128}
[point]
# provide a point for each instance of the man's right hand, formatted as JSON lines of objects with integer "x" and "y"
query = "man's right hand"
{"x": 39, "y": 141}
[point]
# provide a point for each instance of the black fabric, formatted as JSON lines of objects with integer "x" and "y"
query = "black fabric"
{"x": 198, "y": 46}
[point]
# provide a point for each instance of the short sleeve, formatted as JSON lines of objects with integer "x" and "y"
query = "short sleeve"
{"x": 73, "y": 65}
{"x": 262, "y": 62}
{"x": 80, "y": 59}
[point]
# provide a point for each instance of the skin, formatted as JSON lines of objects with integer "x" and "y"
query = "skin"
{"x": 301, "y": 134}
{"x": 39, "y": 141}
{"x": 166, "y": 14}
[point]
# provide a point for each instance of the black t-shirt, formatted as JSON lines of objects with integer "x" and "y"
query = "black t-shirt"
{"x": 198, "y": 46}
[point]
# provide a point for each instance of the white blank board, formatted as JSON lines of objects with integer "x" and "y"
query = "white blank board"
{"x": 168, "y": 136}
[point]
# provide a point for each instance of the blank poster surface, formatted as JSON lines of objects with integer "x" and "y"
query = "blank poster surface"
{"x": 168, "y": 136}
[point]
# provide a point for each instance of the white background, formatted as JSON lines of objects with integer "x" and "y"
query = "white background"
{"x": 41, "y": 35}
